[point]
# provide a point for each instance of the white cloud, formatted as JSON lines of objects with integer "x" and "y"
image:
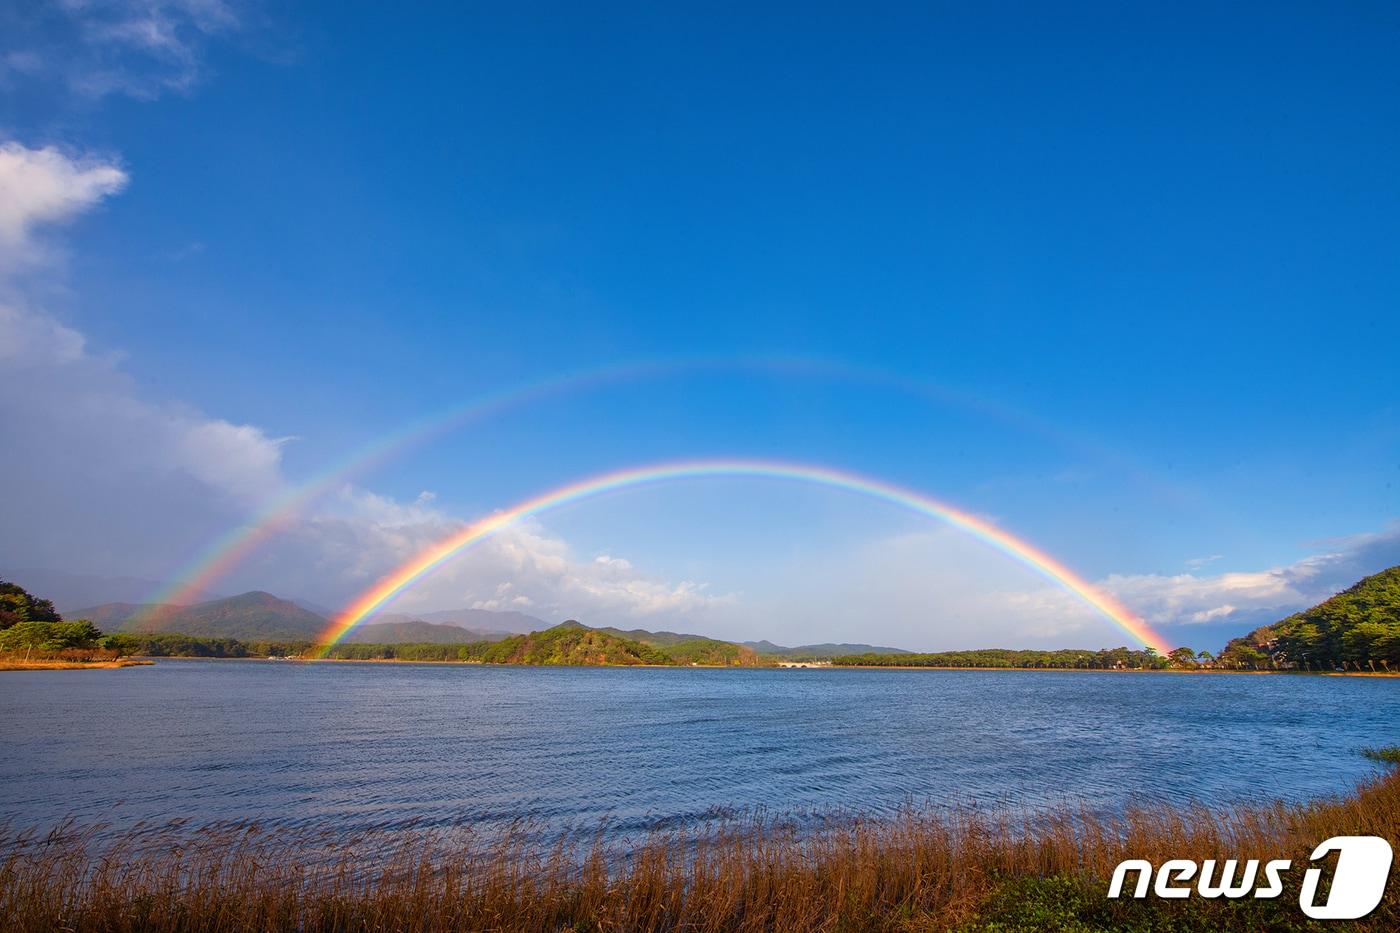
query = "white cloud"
{"x": 43, "y": 187}
{"x": 1183, "y": 598}
{"x": 1210, "y": 615}
{"x": 538, "y": 569}
{"x": 1196, "y": 563}
{"x": 359, "y": 537}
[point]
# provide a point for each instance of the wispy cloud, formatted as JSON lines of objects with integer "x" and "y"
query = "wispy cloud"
{"x": 139, "y": 48}
{"x": 182, "y": 253}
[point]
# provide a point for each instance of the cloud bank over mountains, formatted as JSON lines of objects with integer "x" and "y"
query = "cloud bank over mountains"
{"x": 1189, "y": 603}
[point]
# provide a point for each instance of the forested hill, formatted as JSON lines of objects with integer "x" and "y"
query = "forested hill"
{"x": 1358, "y": 629}
{"x": 570, "y": 643}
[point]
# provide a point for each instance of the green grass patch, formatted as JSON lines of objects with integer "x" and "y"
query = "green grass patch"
{"x": 1390, "y": 754}
{"x": 1075, "y": 904}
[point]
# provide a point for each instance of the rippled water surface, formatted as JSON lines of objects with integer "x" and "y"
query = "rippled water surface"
{"x": 377, "y": 745}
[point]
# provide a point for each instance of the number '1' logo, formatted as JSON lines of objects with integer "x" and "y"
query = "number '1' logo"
{"x": 1363, "y": 864}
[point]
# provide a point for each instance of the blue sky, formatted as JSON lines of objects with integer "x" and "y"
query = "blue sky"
{"x": 1124, "y": 280}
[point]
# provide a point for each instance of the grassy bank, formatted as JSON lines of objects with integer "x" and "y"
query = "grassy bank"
{"x": 971, "y": 870}
{"x": 58, "y": 664}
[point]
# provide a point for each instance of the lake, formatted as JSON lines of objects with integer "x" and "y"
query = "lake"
{"x": 363, "y": 746}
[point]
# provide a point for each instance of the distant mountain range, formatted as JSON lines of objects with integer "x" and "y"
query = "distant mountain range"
{"x": 254, "y": 615}
{"x": 670, "y": 639}
{"x": 479, "y": 620}
{"x": 418, "y": 632}
{"x": 823, "y": 650}
{"x": 259, "y": 616}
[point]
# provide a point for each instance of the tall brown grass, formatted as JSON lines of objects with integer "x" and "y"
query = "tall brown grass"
{"x": 967, "y": 869}
{"x": 60, "y": 654}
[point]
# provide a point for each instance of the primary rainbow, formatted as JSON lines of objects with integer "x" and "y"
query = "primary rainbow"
{"x": 376, "y": 596}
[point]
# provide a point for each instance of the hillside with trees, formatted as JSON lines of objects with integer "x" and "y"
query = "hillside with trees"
{"x": 30, "y": 626}
{"x": 1358, "y": 629}
{"x": 712, "y": 652}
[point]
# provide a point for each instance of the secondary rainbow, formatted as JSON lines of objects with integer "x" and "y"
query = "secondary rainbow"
{"x": 374, "y": 598}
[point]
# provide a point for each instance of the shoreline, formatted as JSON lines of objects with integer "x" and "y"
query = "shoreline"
{"x": 145, "y": 659}
{"x": 42, "y": 665}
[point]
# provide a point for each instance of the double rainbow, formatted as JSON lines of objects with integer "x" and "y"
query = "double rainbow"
{"x": 194, "y": 581}
{"x": 426, "y": 560}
